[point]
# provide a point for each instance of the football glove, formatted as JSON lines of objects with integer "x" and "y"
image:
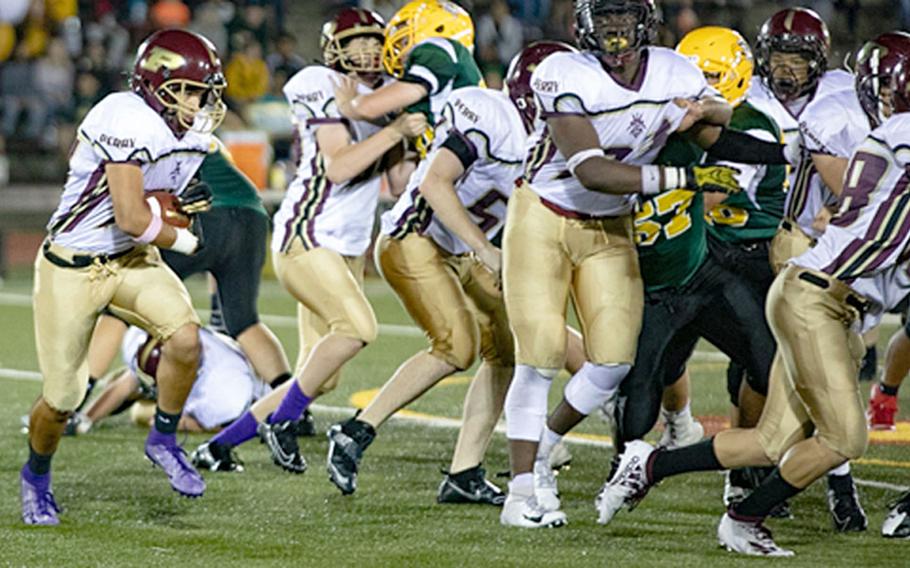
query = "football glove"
{"x": 196, "y": 198}
{"x": 721, "y": 179}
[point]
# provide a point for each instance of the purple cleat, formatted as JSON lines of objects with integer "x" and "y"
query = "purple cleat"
{"x": 38, "y": 504}
{"x": 162, "y": 450}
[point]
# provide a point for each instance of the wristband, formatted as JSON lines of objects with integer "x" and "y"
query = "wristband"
{"x": 581, "y": 156}
{"x": 650, "y": 180}
{"x": 154, "y": 227}
{"x": 674, "y": 178}
{"x": 185, "y": 243}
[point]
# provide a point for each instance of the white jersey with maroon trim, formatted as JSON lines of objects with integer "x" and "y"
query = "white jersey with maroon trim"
{"x": 225, "y": 385}
{"x": 805, "y": 194}
{"x": 322, "y": 214}
{"x": 871, "y": 231}
{"x": 121, "y": 128}
{"x": 632, "y": 122}
{"x": 483, "y": 128}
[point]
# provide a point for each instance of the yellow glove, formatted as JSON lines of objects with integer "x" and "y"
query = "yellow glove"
{"x": 721, "y": 179}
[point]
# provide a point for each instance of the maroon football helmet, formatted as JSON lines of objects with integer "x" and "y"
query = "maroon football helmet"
{"x": 900, "y": 86}
{"x": 874, "y": 66}
{"x": 793, "y": 30}
{"x": 178, "y": 74}
{"x": 337, "y": 51}
{"x": 517, "y": 83}
{"x": 148, "y": 356}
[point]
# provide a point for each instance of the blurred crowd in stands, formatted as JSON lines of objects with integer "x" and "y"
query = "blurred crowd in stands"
{"x": 59, "y": 57}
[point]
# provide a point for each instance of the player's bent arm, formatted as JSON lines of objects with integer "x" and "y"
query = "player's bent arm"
{"x": 716, "y": 111}
{"x": 345, "y": 161}
{"x": 832, "y": 170}
{"x": 120, "y": 390}
{"x": 384, "y": 100}
{"x": 131, "y": 212}
{"x": 576, "y": 139}
{"x": 574, "y": 134}
{"x": 438, "y": 187}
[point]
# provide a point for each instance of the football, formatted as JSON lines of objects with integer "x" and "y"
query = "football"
{"x": 170, "y": 208}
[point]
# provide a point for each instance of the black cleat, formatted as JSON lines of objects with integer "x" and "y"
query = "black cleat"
{"x": 470, "y": 486}
{"x": 897, "y": 523}
{"x": 216, "y": 457}
{"x": 305, "y": 427}
{"x": 843, "y": 502}
{"x": 281, "y": 439}
{"x": 347, "y": 442}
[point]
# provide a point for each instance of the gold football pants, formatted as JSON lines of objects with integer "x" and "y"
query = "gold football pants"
{"x": 453, "y": 298}
{"x": 789, "y": 242}
{"x": 813, "y": 385}
{"x": 328, "y": 288}
{"x": 548, "y": 256}
{"x": 137, "y": 287}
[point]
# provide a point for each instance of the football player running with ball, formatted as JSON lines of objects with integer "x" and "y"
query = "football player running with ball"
{"x": 325, "y": 222}
{"x": 606, "y": 114}
{"x": 435, "y": 252}
{"x": 101, "y": 251}
{"x": 817, "y": 307}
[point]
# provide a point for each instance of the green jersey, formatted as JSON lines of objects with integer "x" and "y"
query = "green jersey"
{"x": 754, "y": 213}
{"x": 441, "y": 65}
{"x": 670, "y": 227}
{"x": 230, "y": 188}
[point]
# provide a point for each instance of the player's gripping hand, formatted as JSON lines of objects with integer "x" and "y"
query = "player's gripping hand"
{"x": 197, "y": 198}
{"x": 410, "y": 124}
{"x": 720, "y": 179}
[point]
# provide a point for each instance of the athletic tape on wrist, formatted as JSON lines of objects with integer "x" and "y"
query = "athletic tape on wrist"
{"x": 154, "y": 227}
{"x": 185, "y": 243}
{"x": 650, "y": 180}
{"x": 674, "y": 178}
{"x": 577, "y": 158}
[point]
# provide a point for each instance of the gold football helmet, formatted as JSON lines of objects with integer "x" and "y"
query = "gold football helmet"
{"x": 723, "y": 56}
{"x": 421, "y": 19}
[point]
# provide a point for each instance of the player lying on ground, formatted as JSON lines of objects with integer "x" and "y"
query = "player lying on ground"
{"x": 225, "y": 386}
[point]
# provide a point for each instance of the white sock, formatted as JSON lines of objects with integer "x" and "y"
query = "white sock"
{"x": 522, "y": 485}
{"x": 684, "y": 414}
{"x": 842, "y": 469}
{"x": 548, "y": 439}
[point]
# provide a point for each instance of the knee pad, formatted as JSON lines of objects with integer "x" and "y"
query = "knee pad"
{"x": 852, "y": 445}
{"x": 593, "y": 384}
{"x": 526, "y": 402}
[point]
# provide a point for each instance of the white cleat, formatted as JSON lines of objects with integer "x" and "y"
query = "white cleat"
{"x": 744, "y": 537}
{"x": 629, "y": 484}
{"x": 680, "y": 431}
{"x": 545, "y": 488}
{"x": 524, "y": 512}
{"x": 897, "y": 523}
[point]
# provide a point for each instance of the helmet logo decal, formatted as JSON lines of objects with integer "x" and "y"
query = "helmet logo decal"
{"x": 160, "y": 57}
{"x": 788, "y": 22}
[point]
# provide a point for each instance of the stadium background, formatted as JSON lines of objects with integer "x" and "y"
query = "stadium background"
{"x": 57, "y": 57}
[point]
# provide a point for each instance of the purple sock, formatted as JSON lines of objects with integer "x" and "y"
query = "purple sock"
{"x": 239, "y": 431}
{"x": 292, "y": 405}
{"x": 39, "y": 481}
{"x": 155, "y": 437}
